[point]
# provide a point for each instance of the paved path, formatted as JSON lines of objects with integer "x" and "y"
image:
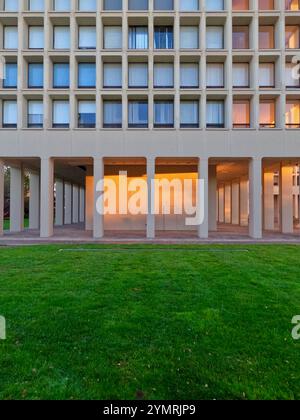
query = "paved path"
{"x": 75, "y": 234}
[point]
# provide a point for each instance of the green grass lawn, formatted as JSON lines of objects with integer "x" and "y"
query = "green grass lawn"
{"x": 6, "y": 224}
{"x": 189, "y": 322}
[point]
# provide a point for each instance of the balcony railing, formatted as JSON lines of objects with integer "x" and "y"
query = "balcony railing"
{"x": 35, "y": 120}
{"x": 87, "y": 120}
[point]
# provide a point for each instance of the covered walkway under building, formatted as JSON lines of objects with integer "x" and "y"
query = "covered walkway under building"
{"x": 245, "y": 200}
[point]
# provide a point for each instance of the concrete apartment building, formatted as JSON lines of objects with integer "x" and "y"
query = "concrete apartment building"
{"x": 158, "y": 88}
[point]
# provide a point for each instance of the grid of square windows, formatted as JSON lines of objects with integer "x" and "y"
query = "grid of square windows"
{"x": 163, "y": 69}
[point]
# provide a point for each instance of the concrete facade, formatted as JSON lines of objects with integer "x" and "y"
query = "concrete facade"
{"x": 237, "y": 164}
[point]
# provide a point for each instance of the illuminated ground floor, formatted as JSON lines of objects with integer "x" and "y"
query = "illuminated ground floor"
{"x": 241, "y": 199}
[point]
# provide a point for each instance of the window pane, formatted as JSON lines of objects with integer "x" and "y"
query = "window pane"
{"x": 189, "y": 5}
{"x": 163, "y": 4}
{"x": 240, "y": 75}
{"x": 113, "y": 37}
{"x": 35, "y": 75}
{"x": 87, "y": 75}
{"x": 138, "y": 75}
{"x": 87, "y": 37}
{"x": 11, "y": 75}
{"x": 292, "y": 114}
{"x": 214, "y": 37}
{"x": 10, "y": 112}
{"x": 214, "y": 75}
{"x": 240, "y": 4}
{"x": 11, "y": 5}
{"x": 36, "y": 5}
{"x": 292, "y": 36}
{"x": 189, "y": 37}
{"x": 189, "y": 114}
{"x": 163, "y": 37}
{"x": 61, "y": 114}
{"x": 189, "y": 75}
{"x": 164, "y": 114}
{"x": 11, "y": 37}
{"x": 241, "y": 114}
{"x": 266, "y": 37}
{"x": 292, "y": 5}
{"x": 36, "y": 37}
{"x": 267, "y": 114}
{"x": 266, "y": 75}
{"x": 138, "y": 5}
{"x": 214, "y": 5}
{"x": 35, "y": 114}
{"x": 87, "y": 5}
{"x": 138, "y": 37}
{"x": 86, "y": 114}
{"x": 240, "y": 37}
{"x": 112, "y": 114}
{"x": 112, "y": 75}
{"x": 138, "y": 114}
{"x": 112, "y": 4}
{"x": 62, "y": 5}
{"x": 266, "y": 4}
{"x": 215, "y": 114}
{"x": 163, "y": 75}
{"x": 290, "y": 79}
{"x": 62, "y": 37}
{"x": 61, "y": 75}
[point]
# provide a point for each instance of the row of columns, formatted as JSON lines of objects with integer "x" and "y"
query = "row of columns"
{"x": 69, "y": 206}
{"x": 240, "y": 201}
{"x": 288, "y": 199}
{"x": 207, "y": 173}
{"x": 233, "y": 202}
{"x": 69, "y": 203}
{"x": 69, "y": 200}
{"x": 234, "y": 198}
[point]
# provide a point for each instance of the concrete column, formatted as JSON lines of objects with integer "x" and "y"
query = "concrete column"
{"x": 59, "y": 203}
{"x": 47, "y": 197}
{"x": 34, "y": 201}
{"x": 203, "y": 175}
{"x": 221, "y": 204}
{"x": 16, "y": 199}
{"x": 1, "y": 197}
{"x": 212, "y": 197}
{"x": 295, "y": 196}
{"x": 151, "y": 199}
{"x": 269, "y": 202}
{"x": 98, "y": 227}
{"x": 75, "y": 204}
{"x": 68, "y": 203}
{"x": 89, "y": 200}
{"x": 228, "y": 203}
{"x": 244, "y": 202}
{"x": 235, "y": 203}
{"x": 81, "y": 204}
{"x": 255, "y": 198}
{"x": 286, "y": 194}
